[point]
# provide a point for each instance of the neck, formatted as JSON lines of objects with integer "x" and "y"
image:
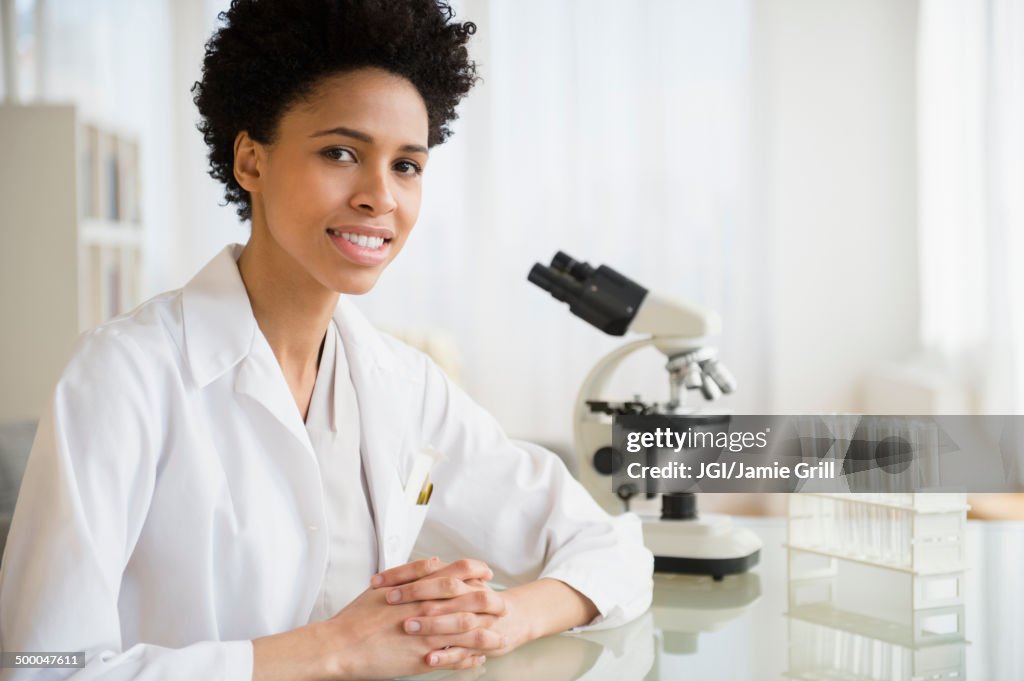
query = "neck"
{"x": 291, "y": 308}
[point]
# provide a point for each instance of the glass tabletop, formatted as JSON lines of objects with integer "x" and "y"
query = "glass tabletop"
{"x": 749, "y": 627}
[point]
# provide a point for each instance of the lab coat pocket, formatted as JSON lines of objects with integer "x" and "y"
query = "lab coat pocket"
{"x": 417, "y": 514}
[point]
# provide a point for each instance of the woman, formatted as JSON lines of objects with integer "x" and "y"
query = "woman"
{"x": 223, "y": 471}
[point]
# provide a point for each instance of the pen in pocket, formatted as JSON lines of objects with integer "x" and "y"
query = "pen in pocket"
{"x": 424, "y": 496}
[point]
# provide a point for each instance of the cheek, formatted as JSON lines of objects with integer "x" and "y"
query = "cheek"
{"x": 306, "y": 188}
{"x": 409, "y": 206}
{"x": 317, "y": 188}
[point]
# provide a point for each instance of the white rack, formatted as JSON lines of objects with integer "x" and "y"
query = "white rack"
{"x": 876, "y": 586}
{"x": 919, "y": 532}
{"x": 70, "y": 242}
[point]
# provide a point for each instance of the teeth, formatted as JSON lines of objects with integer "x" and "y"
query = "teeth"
{"x": 361, "y": 240}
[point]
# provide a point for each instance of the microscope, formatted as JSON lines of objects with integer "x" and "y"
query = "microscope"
{"x": 682, "y": 541}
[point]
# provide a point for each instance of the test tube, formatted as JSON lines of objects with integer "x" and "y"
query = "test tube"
{"x": 833, "y": 525}
{"x": 876, "y": 533}
{"x": 894, "y": 536}
{"x": 819, "y": 522}
{"x": 864, "y": 531}
{"x": 853, "y": 518}
{"x": 837, "y": 524}
{"x": 844, "y": 517}
{"x": 904, "y": 517}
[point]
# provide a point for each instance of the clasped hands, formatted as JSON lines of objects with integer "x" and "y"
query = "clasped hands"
{"x": 460, "y": 618}
{"x": 423, "y": 616}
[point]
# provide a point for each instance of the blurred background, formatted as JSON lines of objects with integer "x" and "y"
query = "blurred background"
{"x": 839, "y": 179}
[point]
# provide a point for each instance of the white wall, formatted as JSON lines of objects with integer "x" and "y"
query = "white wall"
{"x": 833, "y": 168}
{"x": 130, "y": 65}
{"x": 835, "y": 126}
{"x": 112, "y": 58}
{"x": 203, "y": 225}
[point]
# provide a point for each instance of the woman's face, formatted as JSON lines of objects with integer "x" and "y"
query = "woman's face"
{"x": 338, "y": 192}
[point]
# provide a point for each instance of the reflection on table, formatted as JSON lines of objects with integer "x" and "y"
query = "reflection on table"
{"x": 745, "y": 627}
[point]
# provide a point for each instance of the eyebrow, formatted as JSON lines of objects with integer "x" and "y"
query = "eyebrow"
{"x": 363, "y": 137}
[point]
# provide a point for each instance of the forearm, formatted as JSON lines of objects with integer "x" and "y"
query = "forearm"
{"x": 301, "y": 654}
{"x": 549, "y": 606}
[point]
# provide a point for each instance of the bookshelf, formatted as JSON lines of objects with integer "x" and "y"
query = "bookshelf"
{"x": 70, "y": 242}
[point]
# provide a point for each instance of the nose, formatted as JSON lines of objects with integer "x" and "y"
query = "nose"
{"x": 373, "y": 194}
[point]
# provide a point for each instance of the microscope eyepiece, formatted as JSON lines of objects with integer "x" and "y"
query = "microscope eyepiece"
{"x": 601, "y": 297}
{"x": 563, "y": 262}
{"x": 542, "y": 277}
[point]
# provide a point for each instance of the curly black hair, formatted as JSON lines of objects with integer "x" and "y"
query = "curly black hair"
{"x": 270, "y": 54}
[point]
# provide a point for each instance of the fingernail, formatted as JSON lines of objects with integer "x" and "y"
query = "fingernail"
{"x": 490, "y": 575}
{"x": 413, "y": 626}
{"x": 376, "y": 580}
{"x": 433, "y": 660}
{"x": 481, "y": 659}
{"x": 394, "y": 596}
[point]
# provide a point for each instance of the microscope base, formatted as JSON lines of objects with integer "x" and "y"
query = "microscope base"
{"x": 707, "y": 545}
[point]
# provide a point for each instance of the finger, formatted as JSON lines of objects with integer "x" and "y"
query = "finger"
{"x": 480, "y": 640}
{"x": 452, "y": 657}
{"x": 481, "y": 602}
{"x": 410, "y": 572}
{"x": 467, "y": 569}
{"x": 427, "y": 589}
{"x": 454, "y": 623}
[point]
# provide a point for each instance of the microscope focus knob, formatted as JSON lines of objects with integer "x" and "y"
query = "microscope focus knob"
{"x": 607, "y": 460}
{"x": 678, "y": 506}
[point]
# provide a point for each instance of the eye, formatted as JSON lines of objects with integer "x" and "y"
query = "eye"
{"x": 409, "y": 168}
{"x": 339, "y": 154}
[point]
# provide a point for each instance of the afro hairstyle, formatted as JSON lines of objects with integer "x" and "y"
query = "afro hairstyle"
{"x": 270, "y": 54}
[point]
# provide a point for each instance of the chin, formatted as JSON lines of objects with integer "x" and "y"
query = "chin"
{"x": 357, "y": 285}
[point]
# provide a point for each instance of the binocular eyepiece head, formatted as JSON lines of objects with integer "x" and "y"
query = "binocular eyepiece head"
{"x": 601, "y": 297}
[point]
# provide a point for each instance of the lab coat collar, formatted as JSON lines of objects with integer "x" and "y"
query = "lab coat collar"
{"x": 218, "y": 322}
{"x": 219, "y": 326}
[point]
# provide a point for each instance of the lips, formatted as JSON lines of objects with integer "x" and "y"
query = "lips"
{"x": 362, "y": 246}
{"x": 371, "y": 242}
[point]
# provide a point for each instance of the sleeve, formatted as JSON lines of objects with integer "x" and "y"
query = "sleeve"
{"x": 81, "y": 507}
{"x": 516, "y": 507}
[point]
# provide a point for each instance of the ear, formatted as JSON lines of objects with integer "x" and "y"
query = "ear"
{"x": 248, "y": 154}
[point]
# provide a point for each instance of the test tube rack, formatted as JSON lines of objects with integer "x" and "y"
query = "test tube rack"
{"x": 876, "y": 585}
{"x": 918, "y": 532}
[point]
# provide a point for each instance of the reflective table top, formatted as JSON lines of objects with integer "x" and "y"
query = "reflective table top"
{"x": 745, "y": 627}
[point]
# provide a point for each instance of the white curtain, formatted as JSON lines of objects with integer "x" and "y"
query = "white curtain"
{"x": 618, "y": 132}
{"x": 971, "y": 174}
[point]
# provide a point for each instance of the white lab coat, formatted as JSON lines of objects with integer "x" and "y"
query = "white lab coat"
{"x": 172, "y": 508}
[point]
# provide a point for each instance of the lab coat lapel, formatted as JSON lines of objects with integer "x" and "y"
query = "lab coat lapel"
{"x": 220, "y": 332}
{"x": 260, "y": 377}
{"x": 382, "y": 393}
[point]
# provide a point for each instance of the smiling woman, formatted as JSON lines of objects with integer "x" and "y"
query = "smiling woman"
{"x": 343, "y": 169}
{"x": 243, "y": 501}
